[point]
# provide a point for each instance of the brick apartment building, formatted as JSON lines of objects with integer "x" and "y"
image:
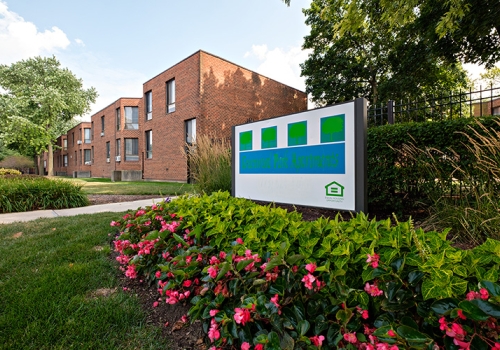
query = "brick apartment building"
{"x": 202, "y": 94}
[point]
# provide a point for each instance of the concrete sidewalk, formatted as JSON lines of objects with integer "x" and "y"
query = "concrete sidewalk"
{"x": 91, "y": 209}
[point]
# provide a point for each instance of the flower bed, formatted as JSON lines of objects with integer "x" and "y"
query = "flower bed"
{"x": 261, "y": 278}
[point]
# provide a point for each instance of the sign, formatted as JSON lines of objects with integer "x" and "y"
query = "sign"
{"x": 313, "y": 158}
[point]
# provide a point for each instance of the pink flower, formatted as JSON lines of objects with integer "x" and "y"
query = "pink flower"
{"x": 317, "y": 340}
{"x": 213, "y": 312}
{"x": 373, "y": 290}
{"x": 308, "y": 280}
{"x": 114, "y": 223}
{"x": 259, "y": 347}
{"x": 245, "y": 346}
{"x": 472, "y": 295}
{"x": 213, "y": 334}
{"x": 311, "y": 267}
{"x": 131, "y": 272}
{"x": 461, "y": 314}
{"x": 483, "y": 294}
{"x": 187, "y": 283}
{"x": 364, "y": 313}
{"x": 373, "y": 259}
{"x": 188, "y": 259}
{"x": 158, "y": 274}
{"x": 241, "y": 316}
{"x": 351, "y": 337}
{"x": 239, "y": 240}
{"x": 184, "y": 318}
{"x": 155, "y": 304}
{"x": 274, "y": 300}
{"x": 222, "y": 255}
{"x": 212, "y": 272}
{"x": 391, "y": 333}
{"x": 461, "y": 344}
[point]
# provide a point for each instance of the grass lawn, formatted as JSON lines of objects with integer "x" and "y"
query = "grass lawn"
{"x": 60, "y": 290}
{"x": 105, "y": 186}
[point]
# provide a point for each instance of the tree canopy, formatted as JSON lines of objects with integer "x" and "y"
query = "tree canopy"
{"x": 454, "y": 30}
{"x": 371, "y": 60}
{"x": 40, "y": 99}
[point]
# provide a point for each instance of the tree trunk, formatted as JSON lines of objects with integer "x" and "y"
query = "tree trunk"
{"x": 39, "y": 167}
{"x": 50, "y": 161}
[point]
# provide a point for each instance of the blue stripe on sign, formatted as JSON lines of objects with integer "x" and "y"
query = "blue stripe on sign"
{"x": 317, "y": 159}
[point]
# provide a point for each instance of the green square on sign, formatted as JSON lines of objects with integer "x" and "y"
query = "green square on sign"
{"x": 269, "y": 137}
{"x": 333, "y": 129}
{"x": 246, "y": 141}
{"x": 297, "y": 134}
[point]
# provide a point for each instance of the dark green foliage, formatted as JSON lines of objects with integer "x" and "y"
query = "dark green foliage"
{"x": 396, "y": 180}
{"x": 20, "y": 193}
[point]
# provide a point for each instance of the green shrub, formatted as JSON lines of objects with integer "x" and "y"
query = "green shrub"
{"x": 209, "y": 162}
{"x": 4, "y": 171}
{"x": 19, "y": 193}
{"x": 259, "y": 276}
{"x": 397, "y": 181}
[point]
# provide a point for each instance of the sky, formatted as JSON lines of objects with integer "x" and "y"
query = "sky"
{"x": 116, "y": 46}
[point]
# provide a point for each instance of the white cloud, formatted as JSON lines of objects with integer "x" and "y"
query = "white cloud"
{"x": 79, "y": 42}
{"x": 20, "y": 39}
{"x": 280, "y": 64}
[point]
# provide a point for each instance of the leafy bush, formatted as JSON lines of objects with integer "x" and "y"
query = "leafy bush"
{"x": 259, "y": 276}
{"x": 209, "y": 162}
{"x": 4, "y": 171}
{"x": 396, "y": 181}
{"x": 19, "y": 193}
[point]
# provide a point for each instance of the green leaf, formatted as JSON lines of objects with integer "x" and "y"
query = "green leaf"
{"x": 479, "y": 344}
{"x": 294, "y": 259}
{"x": 273, "y": 262}
{"x": 224, "y": 268}
{"x": 412, "y": 334}
{"x": 414, "y": 277}
{"x": 344, "y": 315}
{"x": 320, "y": 324}
{"x": 487, "y": 307}
{"x": 259, "y": 282}
{"x": 444, "y": 306}
{"x": 409, "y": 322}
{"x": 287, "y": 342}
{"x": 472, "y": 311}
{"x": 274, "y": 340}
{"x": 303, "y": 327}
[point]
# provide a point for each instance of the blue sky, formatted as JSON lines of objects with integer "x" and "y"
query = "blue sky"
{"x": 116, "y": 46}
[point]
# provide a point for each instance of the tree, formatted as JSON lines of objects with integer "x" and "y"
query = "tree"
{"x": 491, "y": 77}
{"x": 40, "y": 98}
{"x": 373, "y": 60}
{"x": 454, "y": 30}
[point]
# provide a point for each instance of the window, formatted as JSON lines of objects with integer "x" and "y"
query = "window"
{"x": 92, "y": 155}
{"x": 76, "y": 158}
{"x": 190, "y": 131}
{"x": 132, "y": 149}
{"x": 149, "y": 105}
{"x": 81, "y": 157}
{"x": 86, "y": 154}
{"x": 73, "y": 138}
{"x": 86, "y": 134}
{"x": 131, "y": 118}
{"x": 118, "y": 147}
{"x": 170, "y": 96}
{"x": 65, "y": 160}
{"x": 92, "y": 130}
{"x": 496, "y": 111}
{"x": 118, "y": 119}
{"x": 65, "y": 144}
{"x": 149, "y": 144}
{"x": 102, "y": 126}
{"x": 108, "y": 150}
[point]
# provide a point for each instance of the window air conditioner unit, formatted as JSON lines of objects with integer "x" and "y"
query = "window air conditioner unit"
{"x": 102, "y": 133}
{"x": 88, "y": 163}
{"x": 118, "y": 158}
{"x": 107, "y": 160}
{"x": 79, "y": 142}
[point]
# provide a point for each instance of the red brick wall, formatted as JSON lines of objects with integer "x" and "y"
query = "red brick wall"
{"x": 59, "y": 152}
{"x": 233, "y": 95}
{"x": 78, "y": 132}
{"x": 168, "y": 162}
{"x": 100, "y": 166}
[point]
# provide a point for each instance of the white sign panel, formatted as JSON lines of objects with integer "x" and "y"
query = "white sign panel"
{"x": 306, "y": 158}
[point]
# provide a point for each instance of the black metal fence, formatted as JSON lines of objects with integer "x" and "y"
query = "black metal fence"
{"x": 445, "y": 106}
